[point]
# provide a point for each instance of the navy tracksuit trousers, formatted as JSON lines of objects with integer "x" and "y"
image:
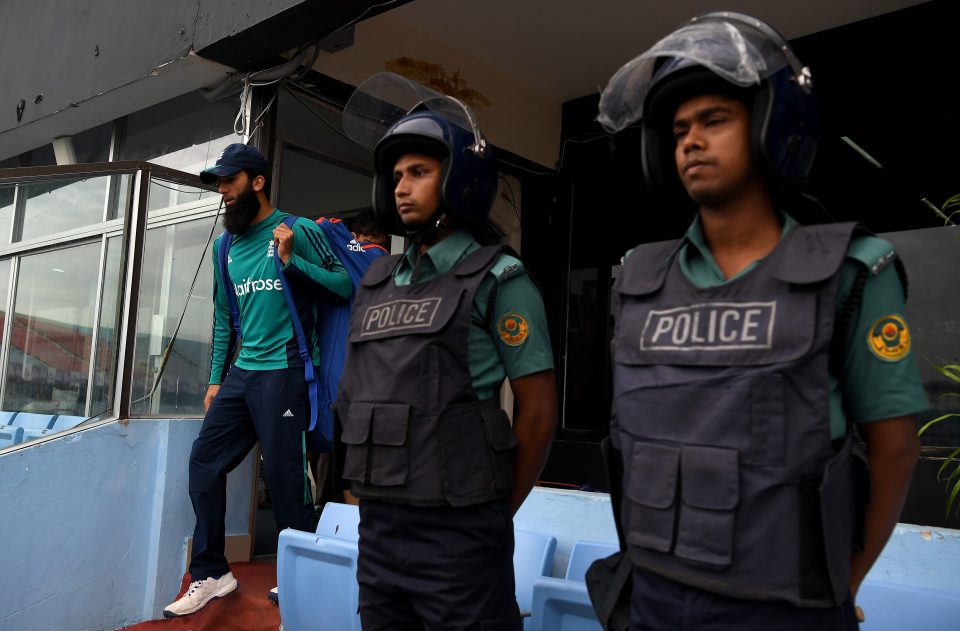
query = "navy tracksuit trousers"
{"x": 270, "y": 406}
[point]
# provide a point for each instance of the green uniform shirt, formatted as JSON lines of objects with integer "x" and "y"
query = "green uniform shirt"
{"x": 268, "y": 339}
{"x": 515, "y": 342}
{"x": 872, "y": 388}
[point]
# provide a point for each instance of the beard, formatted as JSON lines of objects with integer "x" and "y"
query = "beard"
{"x": 237, "y": 218}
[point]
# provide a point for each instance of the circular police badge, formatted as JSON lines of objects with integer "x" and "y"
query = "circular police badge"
{"x": 889, "y": 338}
{"x": 513, "y": 329}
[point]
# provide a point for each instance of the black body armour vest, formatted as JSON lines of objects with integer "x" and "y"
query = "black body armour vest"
{"x": 414, "y": 430}
{"x": 731, "y": 481}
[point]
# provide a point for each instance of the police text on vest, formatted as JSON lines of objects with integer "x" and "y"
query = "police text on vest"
{"x": 398, "y": 315}
{"x": 710, "y": 326}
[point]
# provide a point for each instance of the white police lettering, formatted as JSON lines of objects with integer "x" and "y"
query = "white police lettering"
{"x": 711, "y": 326}
{"x": 252, "y": 286}
{"x": 399, "y": 315}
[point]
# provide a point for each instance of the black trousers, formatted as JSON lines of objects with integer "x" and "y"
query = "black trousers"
{"x": 664, "y": 605}
{"x": 270, "y": 406}
{"x": 437, "y": 568}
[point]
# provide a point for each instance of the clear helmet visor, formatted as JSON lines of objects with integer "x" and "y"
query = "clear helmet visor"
{"x": 384, "y": 98}
{"x": 735, "y": 47}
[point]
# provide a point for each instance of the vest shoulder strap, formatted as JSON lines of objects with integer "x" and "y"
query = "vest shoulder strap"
{"x": 380, "y": 270}
{"x": 876, "y": 254}
{"x": 477, "y": 261}
{"x": 507, "y": 265}
{"x": 645, "y": 269}
{"x": 811, "y": 254}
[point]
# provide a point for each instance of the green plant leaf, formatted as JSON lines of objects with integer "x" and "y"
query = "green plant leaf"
{"x": 935, "y": 421}
{"x": 946, "y": 463}
{"x": 953, "y": 497}
{"x": 950, "y": 371}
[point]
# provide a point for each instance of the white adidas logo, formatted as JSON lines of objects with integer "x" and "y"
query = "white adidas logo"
{"x": 288, "y": 414}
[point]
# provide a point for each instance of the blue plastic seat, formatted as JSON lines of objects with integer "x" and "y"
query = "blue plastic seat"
{"x": 317, "y": 573}
{"x": 890, "y": 606}
{"x": 339, "y": 521}
{"x": 583, "y": 554}
{"x": 29, "y": 420}
{"x": 532, "y": 559}
{"x": 6, "y": 418}
{"x": 10, "y": 435}
{"x": 32, "y": 433}
{"x": 563, "y": 603}
{"x": 67, "y": 422}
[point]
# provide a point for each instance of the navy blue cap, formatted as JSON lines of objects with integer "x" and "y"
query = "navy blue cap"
{"x": 234, "y": 158}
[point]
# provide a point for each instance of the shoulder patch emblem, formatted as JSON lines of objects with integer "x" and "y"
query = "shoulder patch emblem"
{"x": 889, "y": 339}
{"x": 513, "y": 329}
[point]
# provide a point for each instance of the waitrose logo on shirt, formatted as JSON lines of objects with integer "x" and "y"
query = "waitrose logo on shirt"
{"x": 253, "y": 286}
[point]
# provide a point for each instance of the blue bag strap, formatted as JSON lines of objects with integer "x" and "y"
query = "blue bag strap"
{"x": 309, "y": 373}
{"x": 223, "y": 255}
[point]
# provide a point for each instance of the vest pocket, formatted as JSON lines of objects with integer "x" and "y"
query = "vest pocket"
{"x": 652, "y": 491}
{"x": 837, "y": 505}
{"x": 710, "y": 490}
{"x": 501, "y": 440}
{"x": 376, "y": 437}
{"x": 356, "y": 430}
{"x": 465, "y": 455}
{"x": 390, "y": 421}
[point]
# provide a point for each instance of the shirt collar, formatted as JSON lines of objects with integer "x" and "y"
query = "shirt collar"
{"x": 694, "y": 237}
{"x": 441, "y": 256}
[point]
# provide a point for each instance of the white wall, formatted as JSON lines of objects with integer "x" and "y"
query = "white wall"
{"x": 94, "y": 525}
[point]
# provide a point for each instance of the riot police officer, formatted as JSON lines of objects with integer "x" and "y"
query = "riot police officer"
{"x": 437, "y": 466}
{"x": 749, "y": 354}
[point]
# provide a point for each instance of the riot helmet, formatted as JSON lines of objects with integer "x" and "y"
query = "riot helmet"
{"x": 436, "y": 125}
{"x": 724, "y": 53}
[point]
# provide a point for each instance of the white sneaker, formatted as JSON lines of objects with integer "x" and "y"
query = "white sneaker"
{"x": 274, "y": 596}
{"x": 199, "y": 594}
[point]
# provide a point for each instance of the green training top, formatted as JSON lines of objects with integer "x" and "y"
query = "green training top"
{"x": 268, "y": 339}
{"x": 517, "y": 342}
{"x": 872, "y": 386}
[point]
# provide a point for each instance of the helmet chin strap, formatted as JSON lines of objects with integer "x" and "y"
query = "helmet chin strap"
{"x": 427, "y": 233}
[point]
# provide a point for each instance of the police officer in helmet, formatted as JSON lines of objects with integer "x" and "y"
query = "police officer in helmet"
{"x": 437, "y": 466}
{"x": 750, "y": 354}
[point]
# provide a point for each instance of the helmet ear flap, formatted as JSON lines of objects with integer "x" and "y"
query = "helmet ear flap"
{"x": 786, "y": 128}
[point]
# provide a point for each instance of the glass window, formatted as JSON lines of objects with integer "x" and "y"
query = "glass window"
{"x": 93, "y": 145}
{"x": 315, "y": 186}
{"x": 320, "y": 171}
{"x": 186, "y": 133}
{"x": 169, "y": 196}
{"x": 54, "y": 315}
{"x": 4, "y": 290}
{"x": 39, "y": 157}
{"x": 60, "y": 205}
{"x": 171, "y": 256}
{"x": 105, "y": 357}
{"x": 8, "y": 194}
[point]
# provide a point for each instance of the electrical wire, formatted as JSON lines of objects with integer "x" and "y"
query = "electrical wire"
{"x": 513, "y": 198}
{"x": 362, "y": 15}
{"x": 320, "y": 118}
{"x": 173, "y": 338}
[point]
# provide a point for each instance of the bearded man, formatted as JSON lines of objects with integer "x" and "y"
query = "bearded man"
{"x": 262, "y": 396}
